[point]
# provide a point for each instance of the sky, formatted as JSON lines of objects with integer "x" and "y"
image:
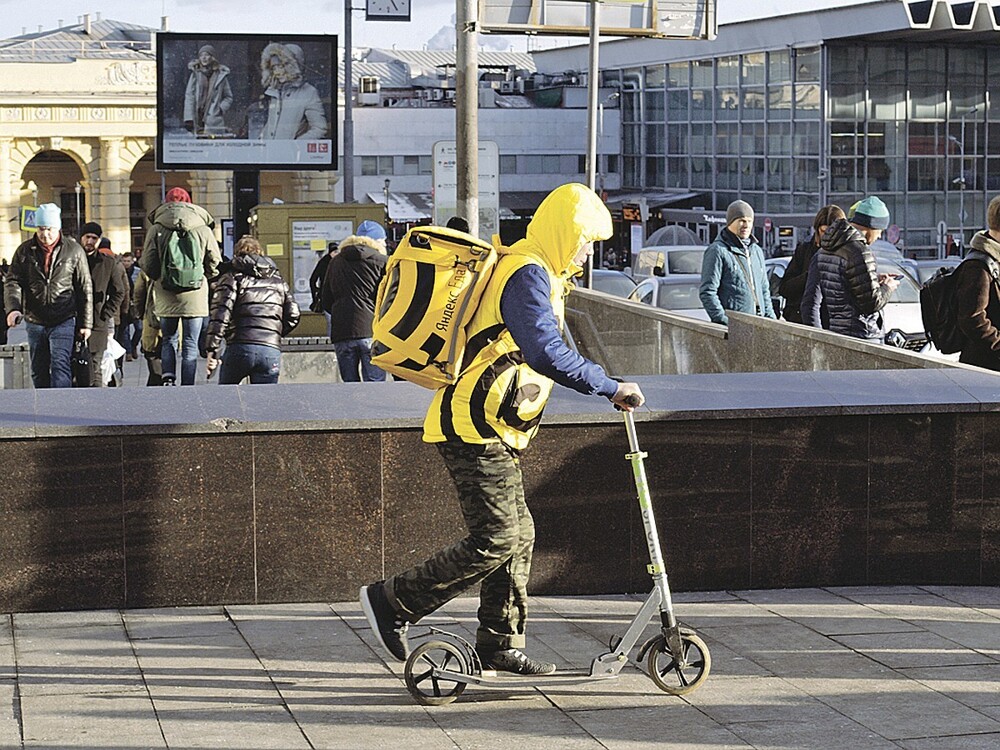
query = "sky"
{"x": 429, "y": 17}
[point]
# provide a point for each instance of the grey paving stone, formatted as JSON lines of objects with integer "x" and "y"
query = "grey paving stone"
{"x": 191, "y": 724}
{"x": 530, "y": 721}
{"x": 816, "y": 727}
{"x": 916, "y": 649}
{"x": 330, "y": 726}
{"x": 977, "y": 685}
{"x": 7, "y": 666}
{"x": 677, "y": 726}
{"x": 898, "y": 708}
{"x": 47, "y": 620}
{"x": 989, "y": 741}
{"x": 103, "y": 720}
{"x": 217, "y": 669}
{"x": 88, "y": 659}
{"x": 10, "y": 727}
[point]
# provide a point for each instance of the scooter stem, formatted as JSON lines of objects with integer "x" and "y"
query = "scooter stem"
{"x": 656, "y": 568}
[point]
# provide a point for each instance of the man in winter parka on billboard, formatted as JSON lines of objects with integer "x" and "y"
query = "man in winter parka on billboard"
{"x": 482, "y": 422}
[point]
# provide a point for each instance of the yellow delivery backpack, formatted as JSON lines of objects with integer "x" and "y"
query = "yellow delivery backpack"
{"x": 432, "y": 286}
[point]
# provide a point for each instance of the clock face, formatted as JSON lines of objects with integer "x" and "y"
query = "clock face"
{"x": 387, "y": 10}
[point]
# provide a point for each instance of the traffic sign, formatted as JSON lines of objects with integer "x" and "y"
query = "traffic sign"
{"x": 27, "y": 215}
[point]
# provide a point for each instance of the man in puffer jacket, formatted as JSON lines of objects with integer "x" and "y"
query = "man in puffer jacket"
{"x": 732, "y": 270}
{"x": 252, "y": 308}
{"x": 349, "y": 292}
{"x": 849, "y": 284}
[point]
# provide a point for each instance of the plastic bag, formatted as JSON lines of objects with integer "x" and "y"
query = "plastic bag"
{"x": 113, "y": 352}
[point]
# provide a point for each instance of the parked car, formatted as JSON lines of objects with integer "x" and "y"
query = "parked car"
{"x": 902, "y": 313}
{"x": 927, "y": 268}
{"x": 676, "y": 292}
{"x": 615, "y": 283}
{"x": 667, "y": 259}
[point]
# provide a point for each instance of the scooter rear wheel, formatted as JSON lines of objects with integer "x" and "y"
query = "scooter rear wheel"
{"x": 427, "y": 688}
{"x": 683, "y": 673}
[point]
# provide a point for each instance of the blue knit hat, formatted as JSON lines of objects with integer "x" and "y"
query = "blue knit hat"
{"x": 371, "y": 229}
{"x": 870, "y": 212}
{"x": 48, "y": 215}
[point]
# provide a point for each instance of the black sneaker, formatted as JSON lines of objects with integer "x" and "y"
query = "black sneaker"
{"x": 388, "y": 626}
{"x": 169, "y": 380}
{"x": 515, "y": 661}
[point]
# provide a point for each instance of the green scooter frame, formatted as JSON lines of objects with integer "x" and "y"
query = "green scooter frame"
{"x": 677, "y": 660}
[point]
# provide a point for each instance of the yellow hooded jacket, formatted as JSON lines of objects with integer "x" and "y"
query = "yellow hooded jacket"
{"x": 498, "y": 397}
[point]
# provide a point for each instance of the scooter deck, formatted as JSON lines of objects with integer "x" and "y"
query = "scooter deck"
{"x": 493, "y": 678}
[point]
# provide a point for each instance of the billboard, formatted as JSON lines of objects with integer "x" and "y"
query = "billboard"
{"x": 674, "y": 19}
{"x": 256, "y": 101}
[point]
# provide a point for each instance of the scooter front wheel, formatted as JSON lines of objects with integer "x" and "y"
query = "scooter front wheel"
{"x": 679, "y": 674}
{"x": 426, "y": 687}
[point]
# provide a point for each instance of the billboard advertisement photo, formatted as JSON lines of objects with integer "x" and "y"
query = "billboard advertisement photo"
{"x": 257, "y": 101}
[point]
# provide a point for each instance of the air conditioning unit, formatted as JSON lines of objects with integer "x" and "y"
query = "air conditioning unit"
{"x": 507, "y": 87}
{"x": 449, "y": 94}
{"x": 437, "y": 94}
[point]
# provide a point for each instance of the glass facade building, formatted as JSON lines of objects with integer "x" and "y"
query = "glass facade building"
{"x": 793, "y": 128}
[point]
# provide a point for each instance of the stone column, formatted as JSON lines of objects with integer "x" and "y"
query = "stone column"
{"x": 216, "y": 198}
{"x": 10, "y": 233}
{"x": 108, "y": 192}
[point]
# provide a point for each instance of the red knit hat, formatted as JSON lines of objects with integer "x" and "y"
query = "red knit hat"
{"x": 178, "y": 195}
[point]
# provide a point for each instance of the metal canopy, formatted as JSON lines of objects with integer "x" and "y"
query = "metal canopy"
{"x": 674, "y": 19}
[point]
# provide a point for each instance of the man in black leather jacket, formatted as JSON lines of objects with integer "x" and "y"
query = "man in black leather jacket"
{"x": 48, "y": 285}
{"x": 848, "y": 281}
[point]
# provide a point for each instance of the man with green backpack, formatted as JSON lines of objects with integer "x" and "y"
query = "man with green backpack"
{"x": 180, "y": 255}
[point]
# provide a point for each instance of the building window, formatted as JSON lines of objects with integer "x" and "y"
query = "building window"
{"x": 656, "y": 76}
{"x": 411, "y": 165}
{"x": 376, "y": 166}
{"x": 508, "y": 164}
{"x": 655, "y": 167}
{"x": 368, "y": 85}
{"x": 807, "y": 64}
{"x": 532, "y": 164}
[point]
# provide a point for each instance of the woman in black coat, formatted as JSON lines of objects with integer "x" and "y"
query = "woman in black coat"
{"x": 793, "y": 283}
{"x": 252, "y": 308}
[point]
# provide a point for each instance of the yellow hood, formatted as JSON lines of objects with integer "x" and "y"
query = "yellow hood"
{"x": 569, "y": 216}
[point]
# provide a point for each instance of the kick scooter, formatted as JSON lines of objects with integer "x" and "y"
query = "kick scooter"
{"x": 677, "y": 660}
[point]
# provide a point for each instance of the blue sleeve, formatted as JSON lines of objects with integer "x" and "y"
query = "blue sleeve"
{"x": 763, "y": 287}
{"x": 527, "y": 313}
{"x": 812, "y": 296}
{"x": 711, "y": 278}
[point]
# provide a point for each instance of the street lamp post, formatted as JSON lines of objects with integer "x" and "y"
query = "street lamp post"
{"x": 385, "y": 192}
{"x": 76, "y": 189}
{"x": 34, "y": 193}
{"x": 960, "y": 181}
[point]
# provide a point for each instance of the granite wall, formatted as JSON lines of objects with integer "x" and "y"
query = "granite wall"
{"x": 629, "y": 337}
{"x": 227, "y": 494}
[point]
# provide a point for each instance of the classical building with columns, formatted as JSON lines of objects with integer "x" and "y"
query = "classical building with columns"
{"x": 78, "y": 129}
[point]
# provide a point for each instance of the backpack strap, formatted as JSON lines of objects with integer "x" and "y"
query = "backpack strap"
{"x": 985, "y": 258}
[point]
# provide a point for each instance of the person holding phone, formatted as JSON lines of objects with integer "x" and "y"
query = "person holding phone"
{"x": 848, "y": 282}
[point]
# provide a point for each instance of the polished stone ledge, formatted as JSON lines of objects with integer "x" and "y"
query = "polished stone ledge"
{"x": 215, "y": 409}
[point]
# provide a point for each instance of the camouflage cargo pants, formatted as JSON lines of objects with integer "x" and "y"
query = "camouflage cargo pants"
{"x": 496, "y": 552}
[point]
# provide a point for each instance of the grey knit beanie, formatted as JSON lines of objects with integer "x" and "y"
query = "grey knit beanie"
{"x": 738, "y": 210}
